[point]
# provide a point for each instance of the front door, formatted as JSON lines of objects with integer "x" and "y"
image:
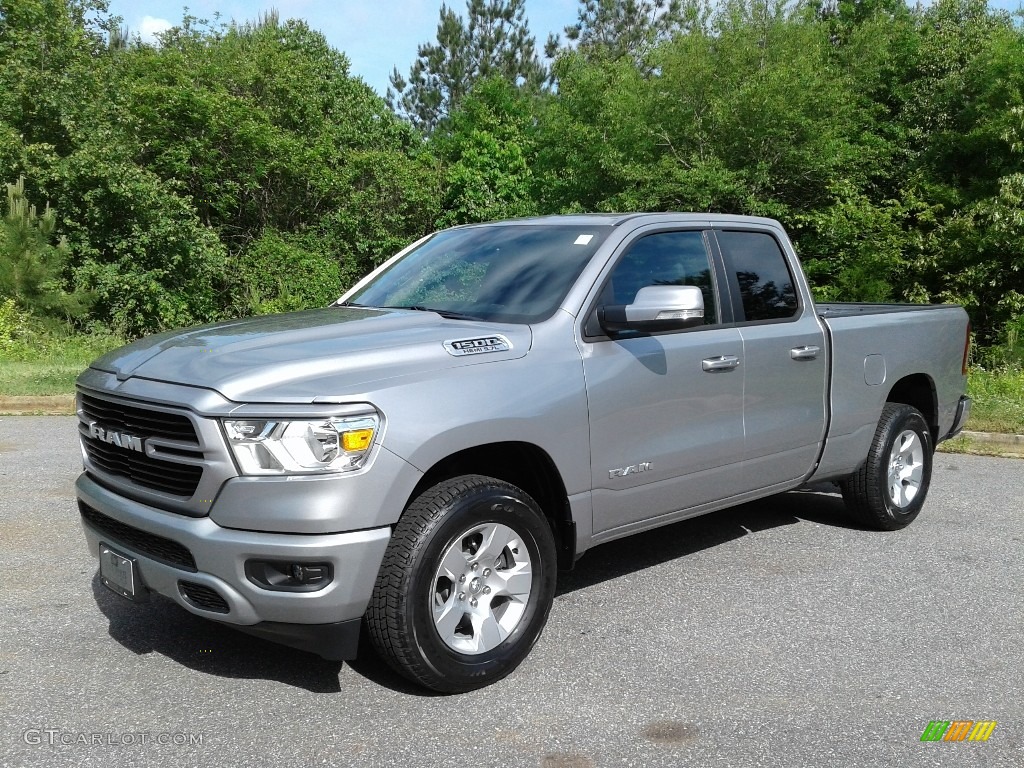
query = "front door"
{"x": 666, "y": 410}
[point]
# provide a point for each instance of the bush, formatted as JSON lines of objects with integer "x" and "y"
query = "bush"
{"x": 1008, "y": 353}
{"x": 282, "y": 273}
{"x": 28, "y": 339}
{"x": 13, "y": 328}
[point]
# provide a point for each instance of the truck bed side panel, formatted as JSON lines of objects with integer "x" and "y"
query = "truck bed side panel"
{"x": 872, "y": 351}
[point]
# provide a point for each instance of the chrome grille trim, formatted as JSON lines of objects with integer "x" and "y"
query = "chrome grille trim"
{"x": 142, "y": 469}
{"x": 184, "y": 463}
{"x": 138, "y": 420}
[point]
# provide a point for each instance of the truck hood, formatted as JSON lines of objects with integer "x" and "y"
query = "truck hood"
{"x": 317, "y": 354}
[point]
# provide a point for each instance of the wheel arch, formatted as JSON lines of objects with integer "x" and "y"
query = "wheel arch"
{"x": 918, "y": 391}
{"x": 524, "y": 465}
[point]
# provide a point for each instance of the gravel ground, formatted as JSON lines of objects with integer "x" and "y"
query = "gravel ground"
{"x": 775, "y": 634}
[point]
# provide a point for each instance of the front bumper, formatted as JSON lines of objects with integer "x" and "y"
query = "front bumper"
{"x": 173, "y": 549}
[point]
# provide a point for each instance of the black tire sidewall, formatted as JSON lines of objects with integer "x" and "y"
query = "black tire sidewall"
{"x": 906, "y": 418}
{"x": 495, "y": 503}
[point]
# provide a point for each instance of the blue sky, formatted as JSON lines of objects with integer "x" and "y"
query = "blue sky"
{"x": 376, "y": 36}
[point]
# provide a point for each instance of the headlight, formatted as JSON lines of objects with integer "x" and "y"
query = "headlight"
{"x": 301, "y": 446}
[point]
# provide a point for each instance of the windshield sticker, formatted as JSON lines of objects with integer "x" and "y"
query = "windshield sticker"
{"x": 583, "y": 240}
{"x": 482, "y": 345}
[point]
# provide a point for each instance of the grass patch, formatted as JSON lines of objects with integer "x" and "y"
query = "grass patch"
{"x": 998, "y": 401}
{"x": 38, "y": 378}
{"x": 49, "y": 365}
{"x": 967, "y": 444}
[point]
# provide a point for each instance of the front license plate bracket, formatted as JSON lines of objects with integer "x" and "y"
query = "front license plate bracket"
{"x": 120, "y": 573}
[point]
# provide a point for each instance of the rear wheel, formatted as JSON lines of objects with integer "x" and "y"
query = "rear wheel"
{"x": 466, "y": 584}
{"x": 889, "y": 489}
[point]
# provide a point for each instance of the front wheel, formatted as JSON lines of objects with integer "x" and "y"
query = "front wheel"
{"x": 466, "y": 584}
{"x": 889, "y": 489}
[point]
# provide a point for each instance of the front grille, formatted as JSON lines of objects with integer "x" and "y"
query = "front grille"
{"x": 157, "y": 547}
{"x": 138, "y": 421}
{"x": 203, "y": 597}
{"x": 158, "y": 472}
{"x": 141, "y": 469}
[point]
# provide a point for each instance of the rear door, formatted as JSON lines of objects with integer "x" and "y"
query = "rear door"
{"x": 666, "y": 409}
{"x": 784, "y": 354}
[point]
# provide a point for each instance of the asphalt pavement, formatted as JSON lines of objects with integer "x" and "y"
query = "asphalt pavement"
{"x": 779, "y": 633}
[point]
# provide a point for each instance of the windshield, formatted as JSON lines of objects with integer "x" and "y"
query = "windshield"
{"x": 514, "y": 273}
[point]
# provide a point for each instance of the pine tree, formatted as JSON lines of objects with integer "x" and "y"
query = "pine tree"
{"x": 494, "y": 40}
{"x": 615, "y": 28}
{"x": 30, "y": 267}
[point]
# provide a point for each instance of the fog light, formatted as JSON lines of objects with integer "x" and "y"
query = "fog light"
{"x": 308, "y": 574}
{"x": 288, "y": 576}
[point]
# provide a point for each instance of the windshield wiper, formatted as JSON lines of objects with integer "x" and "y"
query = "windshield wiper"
{"x": 445, "y": 313}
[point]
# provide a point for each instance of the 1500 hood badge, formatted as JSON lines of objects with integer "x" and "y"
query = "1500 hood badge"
{"x": 478, "y": 346}
{"x": 120, "y": 439}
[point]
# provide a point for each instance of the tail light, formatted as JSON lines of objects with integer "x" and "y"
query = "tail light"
{"x": 967, "y": 349}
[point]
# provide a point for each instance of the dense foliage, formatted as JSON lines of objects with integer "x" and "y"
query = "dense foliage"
{"x": 241, "y": 169}
{"x": 493, "y": 41}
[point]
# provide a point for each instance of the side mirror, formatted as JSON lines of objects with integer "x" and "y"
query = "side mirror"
{"x": 656, "y": 308}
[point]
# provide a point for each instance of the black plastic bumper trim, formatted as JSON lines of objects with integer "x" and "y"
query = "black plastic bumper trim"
{"x": 963, "y": 411}
{"x": 335, "y": 642}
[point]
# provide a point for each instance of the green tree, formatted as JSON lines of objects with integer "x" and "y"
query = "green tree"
{"x": 139, "y": 245}
{"x": 586, "y": 134}
{"x": 757, "y": 112}
{"x": 47, "y": 49}
{"x": 31, "y": 265}
{"x": 486, "y": 151}
{"x": 197, "y": 163}
{"x": 749, "y": 116}
{"x": 960, "y": 116}
{"x": 240, "y": 168}
{"x": 281, "y": 139}
{"x": 979, "y": 251}
{"x": 494, "y": 40}
{"x": 616, "y": 28}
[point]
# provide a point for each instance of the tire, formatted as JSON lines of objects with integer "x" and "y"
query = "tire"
{"x": 466, "y": 584}
{"x": 889, "y": 489}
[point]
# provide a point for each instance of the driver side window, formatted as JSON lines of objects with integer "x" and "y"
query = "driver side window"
{"x": 664, "y": 258}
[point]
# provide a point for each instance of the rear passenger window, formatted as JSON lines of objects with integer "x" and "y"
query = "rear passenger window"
{"x": 664, "y": 258}
{"x": 758, "y": 270}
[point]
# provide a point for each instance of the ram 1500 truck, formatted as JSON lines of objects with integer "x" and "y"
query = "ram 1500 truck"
{"x": 483, "y": 408}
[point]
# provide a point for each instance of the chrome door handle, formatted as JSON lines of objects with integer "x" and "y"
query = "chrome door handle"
{"x": 804, "y": 353}
{"x": 720, "y": 363}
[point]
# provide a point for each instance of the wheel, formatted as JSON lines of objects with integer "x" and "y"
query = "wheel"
{"x": 465, "y": 586}
{"x": 889, "y": 489}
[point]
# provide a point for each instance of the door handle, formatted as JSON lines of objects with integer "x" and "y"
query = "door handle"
{"x": 804, "y": 353}
{"x": 720, "y": 363}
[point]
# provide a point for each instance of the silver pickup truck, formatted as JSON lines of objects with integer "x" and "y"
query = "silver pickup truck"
{"x": 496, "y": 399}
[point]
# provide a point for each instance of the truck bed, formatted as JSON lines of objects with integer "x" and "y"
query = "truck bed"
{"x": 877, "y": 348}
